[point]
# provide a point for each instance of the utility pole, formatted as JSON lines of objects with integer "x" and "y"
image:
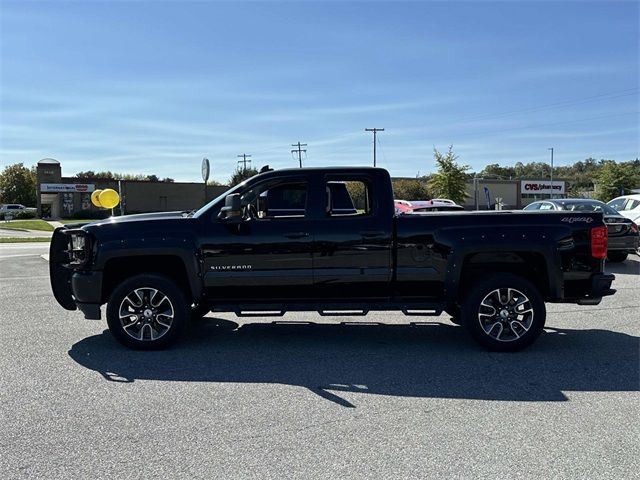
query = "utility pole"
{"x": 475, "y": 190}
{"x": 244, "y": 160}
{"x": 299, "y": 150}
{"x": 551, "y": 170}
{"x": 374, "y": 130}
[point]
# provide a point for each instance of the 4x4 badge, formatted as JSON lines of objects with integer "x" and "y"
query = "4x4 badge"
{"x": 577, "y": 219}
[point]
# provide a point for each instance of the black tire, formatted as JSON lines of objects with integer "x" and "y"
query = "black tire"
{"x": 616, "y": 257}
{"x": 505, "y": 327}
{"x": 199, "y": 311}
{"x": 163, "y": 317}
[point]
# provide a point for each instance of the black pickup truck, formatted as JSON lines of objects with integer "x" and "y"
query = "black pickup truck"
{"x": 491, "y": 271}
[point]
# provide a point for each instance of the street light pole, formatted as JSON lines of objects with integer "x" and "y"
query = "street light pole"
{"x": 551, "y": 170}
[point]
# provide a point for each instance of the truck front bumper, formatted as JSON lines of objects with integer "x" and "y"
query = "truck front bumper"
{"x": 87, "y": 288}
{"x": 600, "y": 287}
{"x": 73, "y": 289}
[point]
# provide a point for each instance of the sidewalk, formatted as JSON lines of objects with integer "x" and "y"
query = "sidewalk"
{"x": 23, "y": 233}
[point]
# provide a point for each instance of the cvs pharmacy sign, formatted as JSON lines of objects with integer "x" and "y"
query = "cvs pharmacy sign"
{"x": 541, "y": 186}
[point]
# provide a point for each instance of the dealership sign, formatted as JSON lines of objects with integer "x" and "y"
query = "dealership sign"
{"x": 67, "y": 187}
{"x": 541, "y": 186}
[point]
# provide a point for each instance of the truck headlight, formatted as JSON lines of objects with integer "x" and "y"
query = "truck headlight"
{"x": 78, "y": 248}
{"x": 77, "y": 242}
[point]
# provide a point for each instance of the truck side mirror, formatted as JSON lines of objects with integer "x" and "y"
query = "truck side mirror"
{"x": 232, "y": 210}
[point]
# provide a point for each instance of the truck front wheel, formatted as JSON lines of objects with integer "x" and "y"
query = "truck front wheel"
{"x": 147, "y": 312}
{"x": 504, "y": 312}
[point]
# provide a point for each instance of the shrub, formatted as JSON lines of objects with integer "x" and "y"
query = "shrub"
{"x": 20, "y": 215}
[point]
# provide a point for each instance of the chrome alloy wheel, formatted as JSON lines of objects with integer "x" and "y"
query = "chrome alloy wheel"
{"x": 146, "y": 314}
{"x": 505, "y": 314}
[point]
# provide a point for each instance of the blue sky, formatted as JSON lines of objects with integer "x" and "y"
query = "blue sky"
{"x": 152, "y": 87}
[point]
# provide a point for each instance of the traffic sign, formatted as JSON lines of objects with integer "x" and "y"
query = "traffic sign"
{"x": 206, "y": 169}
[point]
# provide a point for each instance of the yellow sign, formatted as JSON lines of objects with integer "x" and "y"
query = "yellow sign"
{"x": 109, "y": 198}
{"x": 95, "y": 198}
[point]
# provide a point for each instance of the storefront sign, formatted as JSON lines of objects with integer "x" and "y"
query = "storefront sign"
{"x": 67, "y": 187}
{"x": 541, "y": 187}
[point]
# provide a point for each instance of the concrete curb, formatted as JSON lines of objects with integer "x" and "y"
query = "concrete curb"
{"x": 14, "y": 229}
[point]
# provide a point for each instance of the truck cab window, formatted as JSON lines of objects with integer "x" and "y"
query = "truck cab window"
{"x": 347, "y": 199}
{"x": 269, "y": 201}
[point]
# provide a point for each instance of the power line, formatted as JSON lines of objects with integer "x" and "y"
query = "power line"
{"x": 565, "y": 103}
{"x": 489, "y": 132}
{"x": 244, "y": 160}
{"x": 375, "y": 131}
{"x": 299, "y": 150}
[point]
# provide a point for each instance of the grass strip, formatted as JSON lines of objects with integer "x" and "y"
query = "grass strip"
{"x": 27, "y": 225}
{"x": 24, "y": 239}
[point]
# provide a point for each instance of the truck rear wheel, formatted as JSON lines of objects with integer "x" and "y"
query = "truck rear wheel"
{"x": 504, "y": 312}
{"x": 147, "y": 312}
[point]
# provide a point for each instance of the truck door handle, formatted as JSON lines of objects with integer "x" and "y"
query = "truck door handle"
{"x": 296, "y": 235}
{"x": 372, "y": 233}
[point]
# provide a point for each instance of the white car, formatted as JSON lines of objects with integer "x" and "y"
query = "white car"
{"x": 628, "y": 206}
{"x": 8, "y": 210}
{"x": 12, "y": 207}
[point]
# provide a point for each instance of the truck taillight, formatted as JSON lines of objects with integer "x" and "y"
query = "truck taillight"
{"x": 599, "y": 242}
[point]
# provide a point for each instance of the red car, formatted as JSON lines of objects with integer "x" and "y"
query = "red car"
{"x": 435, "y": 205}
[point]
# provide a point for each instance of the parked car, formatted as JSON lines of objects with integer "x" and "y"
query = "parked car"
{"x": 16, "y": 210}
{"x": 403, "y": 206}
{"x": 623, "y": 232}
{"x": 418, "y": 206}
{"x": 627, "y": 206}
{"x": 11, "y": 207}
{"x": 437, "y": 205}
{"x": 491, "y": 271}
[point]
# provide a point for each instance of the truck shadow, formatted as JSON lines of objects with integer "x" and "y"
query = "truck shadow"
{"x": 628, "y": 267}
{"x": 428, "y": 360}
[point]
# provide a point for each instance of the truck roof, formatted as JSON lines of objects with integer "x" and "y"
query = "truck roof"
{"x": 340, "y": 169}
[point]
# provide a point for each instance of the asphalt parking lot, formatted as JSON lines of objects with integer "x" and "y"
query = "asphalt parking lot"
{"x": 246, "y": 398}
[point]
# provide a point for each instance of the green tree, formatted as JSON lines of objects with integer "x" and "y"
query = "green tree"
{"x": 613, "y": 178}
{"x": 241, "y": 174}
{"x": 87, "y": 174}
{"x": 451, "y": 179}
{"x": 18, "y": 185}
{"x": 357, "y": 193}
{"x": 411, "y": 189}
{"x": 496, "y": 170}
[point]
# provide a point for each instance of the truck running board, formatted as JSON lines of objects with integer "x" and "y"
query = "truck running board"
{"x": 421, "y": 313}
{"x": 359, "y": 309}
{"x": 343, "y": 313}
{"x": 259, "y": 313}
